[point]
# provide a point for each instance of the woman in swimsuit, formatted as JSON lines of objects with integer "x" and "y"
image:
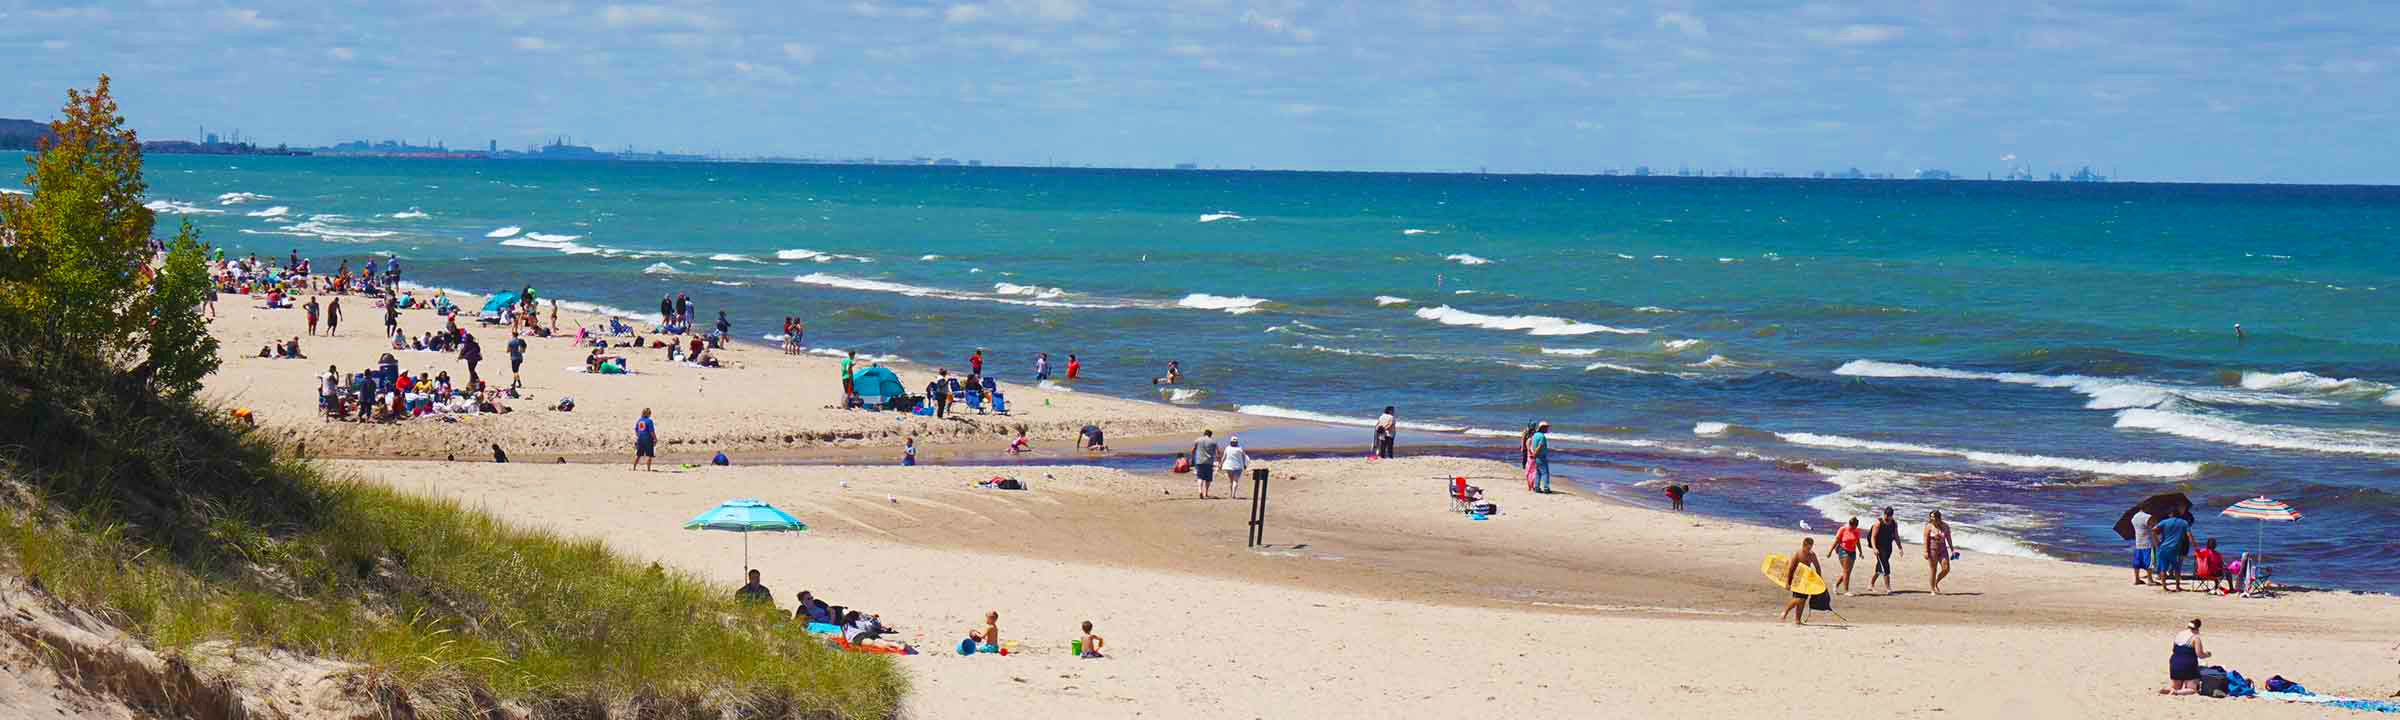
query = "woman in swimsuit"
{"x": 2183, "y": 663}
{"x": 1886, "y": 538}
{"x": 1845, "y": 547}
{"x": 1937, "y": 549}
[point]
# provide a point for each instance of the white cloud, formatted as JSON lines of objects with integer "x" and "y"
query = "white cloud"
{"x": 341, "y": 53}
{"x": 1856, "y": 34}
{"x": 647, "y": 16}
{"x": 1302, "y": 109}
{"x": 528, "y": 42}
{"x": 964, "y": 13}
{"x": 1016, "y": 44}
{"x": 246, "y": 17}
{"x": 802, "y": 53}
{"x": 870, "y": 9}
{"x": 54, "y": 44}
{"x": 1050, "y": 10}
{"x": 1279, "y": 26}
{"x": 1688, "y": 25}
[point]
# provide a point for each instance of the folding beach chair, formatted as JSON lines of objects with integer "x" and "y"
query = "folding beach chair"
{"x": 1463, "y": 496}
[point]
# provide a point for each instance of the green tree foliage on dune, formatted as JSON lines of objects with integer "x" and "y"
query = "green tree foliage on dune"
{"x": 75, "y": 256}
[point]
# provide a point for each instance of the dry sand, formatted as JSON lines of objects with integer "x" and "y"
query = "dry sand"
{"x": 1374, "y": 601}
{"x": 765, "y": 400}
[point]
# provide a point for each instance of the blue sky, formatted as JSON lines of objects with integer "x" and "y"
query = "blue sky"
{"x": 2156, "y": 90}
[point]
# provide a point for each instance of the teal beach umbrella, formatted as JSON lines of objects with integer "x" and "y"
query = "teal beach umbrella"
{"x": 745, "y": 517}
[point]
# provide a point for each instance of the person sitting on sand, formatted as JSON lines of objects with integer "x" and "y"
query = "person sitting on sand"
{"x": 2183, "y": 661}
{"x": 754, "y": 592}
{"x": 1797, "y": 609}
{"x": 987, "y": 638}
{"x": 810, "y": 609}
{"x": 1092, "y": 643}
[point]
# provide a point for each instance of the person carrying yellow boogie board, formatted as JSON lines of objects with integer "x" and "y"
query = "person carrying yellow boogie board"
{"x": 1802, "y": 577}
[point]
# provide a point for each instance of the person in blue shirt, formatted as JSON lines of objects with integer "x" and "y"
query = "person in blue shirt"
{"x": 645, "y": 441}
{"x": 1539, "y": 446}
{"x": 2174, "y": 536}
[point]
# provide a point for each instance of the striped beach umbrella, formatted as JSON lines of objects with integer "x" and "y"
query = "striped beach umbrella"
{"x": 2266, "y": 510}
{"x": 745, "y": 517}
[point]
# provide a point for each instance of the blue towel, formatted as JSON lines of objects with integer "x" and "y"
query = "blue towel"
{"x": 2381, "y": 706}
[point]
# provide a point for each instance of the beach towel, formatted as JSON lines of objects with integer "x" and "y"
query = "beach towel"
{"x": 818, "y": 628}
{"x": 2380, "y": 706}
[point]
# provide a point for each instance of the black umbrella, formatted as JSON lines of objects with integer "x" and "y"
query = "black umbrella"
{"x": 2158, "y": 506}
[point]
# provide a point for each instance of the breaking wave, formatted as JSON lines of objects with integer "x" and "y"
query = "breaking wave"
{"x": 2228, "y": 431}
{"x": 510, "y": 231}
{"x": 1238, "y": 305}
{"x": 1530, "y": 324}
{"x": 2105, "y": 393}
{"x": 2041, "y": 462}
{"x": 1291, "y": 414}
{"x": 277, "y": 211}
{"x": 1465, "y": 259}
{"x": 815, "y": 256}
{"x": 172, "y": 206}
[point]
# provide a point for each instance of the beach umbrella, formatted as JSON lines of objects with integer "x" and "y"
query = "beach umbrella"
{"x": 2264, "y": 509}
{"x": 2159, "y": 506}
{"x": 745, "y": 517}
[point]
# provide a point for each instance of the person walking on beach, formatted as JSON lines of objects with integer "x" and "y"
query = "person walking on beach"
{"x": 645, "y": 441}
{"x": 1525, "y": 454}
{"x": 1386, "y": 426}
{"x": 312, "y": 315}
{"x": 1539, "y": 447}
{"x": 1885, "y": 536}
{"x": 391, "y": 317}
{"x": 333, "y": 317}
{"x": 1937, "y": 549}
{"x": 1041, "y": 367}
{"x": 471, "y": 352}
{"x": 1074, "y": 366}
{"x": 724, "y": 328}
{"x": 1797, "y": 609}
{"x": 1204, "y": 460}
{"x": 516, "y": 355}
{"x": 1845, "y": 548}
{"x": 1236, "y": 461}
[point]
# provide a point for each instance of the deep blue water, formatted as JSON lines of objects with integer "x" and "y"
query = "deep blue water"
{"x": 2029, "y": 358}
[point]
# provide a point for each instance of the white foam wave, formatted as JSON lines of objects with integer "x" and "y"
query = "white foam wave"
{"x": 1033, "y": 291}
{"x": 1623, "y": 256}
{"x": 2039, "y": 462}
{"x": 1654, "y": 309}
{"x": 551, "y": 238}
{"x": 563, "y": 247}
{"x": 1238, "y": 305}
{"x": 1531, "y": 324}
{"x": 1386, "y": 300}
{"x": 1053, "y": 387}
{"x": 510, "y": 231}
{"x": 598, "y": 309}
{"x": 1419, "y": 231}
{"x": 1676, "y": 346}
{"x": 328, "y": 217}
{"x": 14, "y": 191}
{"x": 730, "y": 257}
{"x": 661, "y": 269}
{"x": 1291, "y": 414}
{"x": 815, "y": 256}
{"x": 1183, "y": 396}
{"x": 1710, "y": 428}
{"x": 834, "y": 353}
{"x": 2105, "y": 393}
{"x": 1716, "y": 361}
{"x": 409, "y": 214}
{"x": 2307, "y": 382}
{"x": 1861, "y": 491}
{"x": 729, "y": 283}
{"x": 2228, "y": 431}
{"x": 277, "y": 211}
{"x": 1572, "y": 352}
{"x": 930, "y": 258}
{"x": 322, "y": 229}
{"x": 237, "y": 198}
{"x": 1580, "y": 438}
{"x": 1221, "y": 215}
{"x": 1465, "y": 259}
{"x": 1619, "y": 368}
{"x": 179, "y": 208}
{"x": 851, "y": 283}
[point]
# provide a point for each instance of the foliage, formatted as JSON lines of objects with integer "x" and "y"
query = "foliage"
{"x": 79, "y": 246}
{"x": 181, "y": 350}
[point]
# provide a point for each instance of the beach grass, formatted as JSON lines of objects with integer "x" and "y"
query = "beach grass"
{"x": 182, "y": 527}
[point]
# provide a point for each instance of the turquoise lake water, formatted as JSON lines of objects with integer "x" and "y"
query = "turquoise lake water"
{"x": 2028, "y": 358}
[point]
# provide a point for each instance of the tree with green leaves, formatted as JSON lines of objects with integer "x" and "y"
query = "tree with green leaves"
{"x": 76, "y": 278}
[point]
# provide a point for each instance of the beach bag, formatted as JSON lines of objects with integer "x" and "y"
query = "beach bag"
{"x": 2238, "y": 686}
{"x": 2212, "y": 681}
{"x": 1821, "y": 602}
{"x": 1183, "y": 465}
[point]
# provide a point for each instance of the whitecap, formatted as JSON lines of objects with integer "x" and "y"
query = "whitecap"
{"x": 1710, "y": 428}
{"x": 1183, "y": 396}
{"x": 1291, "y": 414}
{"x": 1033, "y": 291}
{"x": 1623, "y": 256}
{"x": 815, "y": 256}
{"x": 730, "y": 257}
{"x": 510, "y": 231}
{"x": 1618, "y": 368}
{"x": 729, "y": 283}
{"x": 2228, "y": 431}
{"x": 851, "y": 283}
{"x": 563, "y": 247}
{"x": 409, "y": 214}
{"x": 1572, "y": 352}
{"x": 597, "y": 309}
{"x": 1653, "y": 309}
{"x": 2039, "y": 462}
{"x": 1419, "y": 231}
{"x": 1676, "y": 346}
{"x": 930, "y": 258}
{"x": 1390, "y": 300}
{"x": 277, "y": 211}
{"x": 180, "y": 208}
{"x": 1053, "y": 387}
{"x": 661, "y": 269}
{"x": 1220, "y": 215}
{"x": 550, "y": 238}
{"x": 1237, "y": 305}
{"x": 2307, "y": 382}
{"x": 1531, "y": 324}
{"x": 2105, "y": 393}
{"x": 237, "y": 198}
{"x": 321, "y": 229}
{"x": 1715, "y": 361}
{"x": 1466, "y": 259}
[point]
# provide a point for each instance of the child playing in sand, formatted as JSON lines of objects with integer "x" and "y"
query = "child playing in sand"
{"x": 1091, "y": 643}
{"x": 987, "y": 638}
{"x": 908, "y": 452}
{"x": 1019, "y": 447}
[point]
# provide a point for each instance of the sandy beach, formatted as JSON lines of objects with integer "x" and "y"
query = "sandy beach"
{"x": 763, "y": 400}
{"x": 1373, "y": 601}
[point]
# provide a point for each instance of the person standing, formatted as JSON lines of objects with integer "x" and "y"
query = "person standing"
{"x": 1540, "y": 448}
{"x": 849, "y": 383}
{"x": 1937, "y": 549}
{"x": 2141, "y": 547}
{"x": 516, "y": 355}
{"x": 724, "y": 328}
{"x": 391, "y": 317}
{"x": 908, "y": 452}
{"x": 471, "y": 352}
{"x": 1041, "y": 367}
{"x": 2174, "y": 536}
{"x": 683, "y": 311}
{"x": 975, "y": 363}
{"x": 1236, "y": 461}
{"x": 1885, "y": 536}
{"x": 333, "y": 317}
{"x": 1074, "y": 366}
{"x": 645, "y": 441}
{"x": 312, "y": 314}
{"x": 1204, "y": 460}
{"x": 1845, "y": 548}
{"x": 939, "y": 392}
{"x": 1386, "y": 427}
{"x": 1525, "y": 454}
{"x": 666, "y": 310}
{"x": 391, "y": 273}
{"x": 1797, "y": 609}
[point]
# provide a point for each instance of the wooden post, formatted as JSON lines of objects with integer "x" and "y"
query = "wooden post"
{"x": 1258, "y": 506}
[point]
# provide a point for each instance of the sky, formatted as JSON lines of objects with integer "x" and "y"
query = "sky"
{"x": 2190, "y": 91}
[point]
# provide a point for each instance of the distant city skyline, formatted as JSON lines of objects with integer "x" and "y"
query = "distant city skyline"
{"x": 1971, "y": 89}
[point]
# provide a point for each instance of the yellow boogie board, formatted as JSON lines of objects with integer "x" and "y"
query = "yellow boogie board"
{"x": 1805, "y": 582}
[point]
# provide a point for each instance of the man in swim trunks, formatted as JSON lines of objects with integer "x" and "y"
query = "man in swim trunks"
{"x": 645, "y": 441}
{"x": 1885, "y": 537}
{"x": 1797, "y": 609}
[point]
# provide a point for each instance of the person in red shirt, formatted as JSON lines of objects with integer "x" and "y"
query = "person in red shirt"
{"x": 975, "y": 363}
{"x": 2210, "y": 566}
{"x": 1845, "y": 546}
{"x": 1074, "y": 366}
